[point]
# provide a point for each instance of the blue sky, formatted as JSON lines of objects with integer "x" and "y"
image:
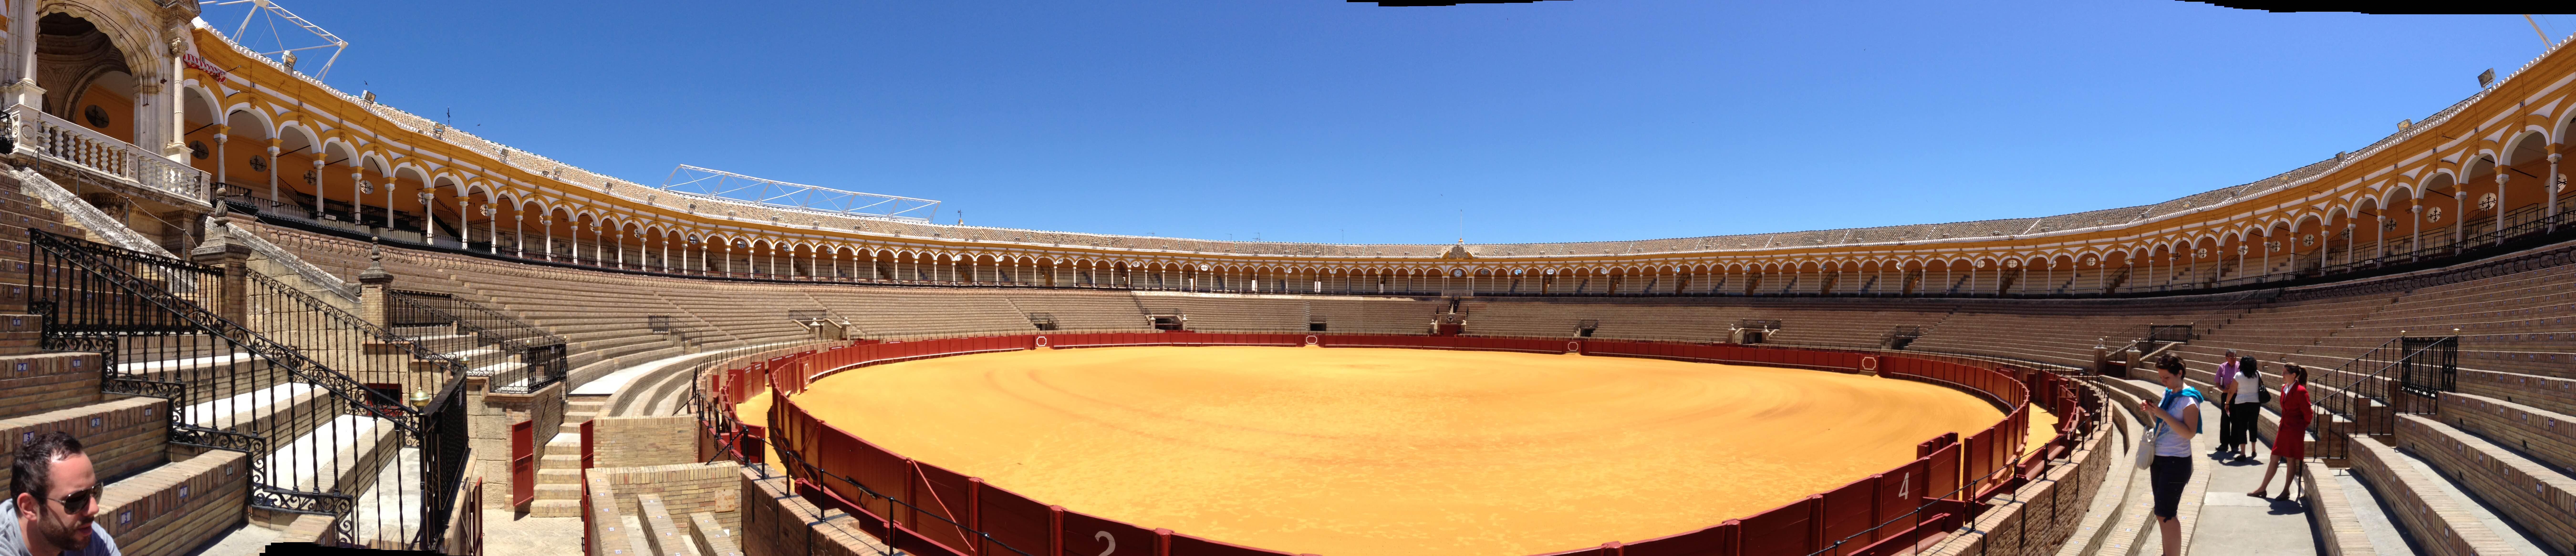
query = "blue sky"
{"x": 1323, "y": 121}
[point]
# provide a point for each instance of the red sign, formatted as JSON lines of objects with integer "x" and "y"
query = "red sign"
{"x": 200, "y": 63}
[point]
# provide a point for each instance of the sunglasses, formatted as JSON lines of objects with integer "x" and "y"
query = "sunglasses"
{"x": 80, "y": 500}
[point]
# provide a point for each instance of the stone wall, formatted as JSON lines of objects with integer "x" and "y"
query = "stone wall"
{"x": 2041, "y": 516}
{"x": 489, "y": 418}
{"x": 644, "y": 441}
{"x": 778, "y": 522}
{"x": 684, "y": 488}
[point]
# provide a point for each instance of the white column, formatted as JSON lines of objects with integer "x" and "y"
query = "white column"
{"x": 357, "y": 193}
{"x": 2500, "y": 205}
{"x": 428, "y": 214}
{"x": 22, "y": 43}
{"x": 2549, "y": 189}
{"x": 321, "y": 195}
{"x": 220, "y": 135}
{"x": 273, "y": 198}
{"x": 2379, "y": 233}
{"x": 2415, "y": 239}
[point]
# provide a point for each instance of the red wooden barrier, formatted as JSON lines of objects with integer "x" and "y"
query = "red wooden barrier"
{"x": 1722, "y": 540}
{"x": 1847, "y": 514}
{"x": 1789, "y": 530}
{"x": 1185, "y": 545}
{"x": 1082, "y": 533}
{"x": 1013, "y": 520}
{"x": 941, "y": 499}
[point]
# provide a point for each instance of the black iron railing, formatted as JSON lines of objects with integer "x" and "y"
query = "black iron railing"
{"x": 2418, "y": 368}
{"x": 519, "y": 357}
{"x": 323, "y": 402}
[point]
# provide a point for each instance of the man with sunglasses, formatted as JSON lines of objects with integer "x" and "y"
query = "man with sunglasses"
{"x": 53, "y": 502}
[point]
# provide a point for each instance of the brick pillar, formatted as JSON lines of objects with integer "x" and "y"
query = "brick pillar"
{"x": 233, "y": 258}
{"x": 373, "y": 285}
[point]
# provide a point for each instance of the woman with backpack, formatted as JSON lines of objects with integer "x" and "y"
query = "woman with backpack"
{"x": 2177, "y": 420}
{"x": 2291, "y": 445}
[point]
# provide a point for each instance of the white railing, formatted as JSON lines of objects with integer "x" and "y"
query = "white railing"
{"x": 99, "y": 224}
{"x": 70, "y": 144}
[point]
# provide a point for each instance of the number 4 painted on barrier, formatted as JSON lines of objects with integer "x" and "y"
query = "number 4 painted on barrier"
{"x": 1104, "y": 536}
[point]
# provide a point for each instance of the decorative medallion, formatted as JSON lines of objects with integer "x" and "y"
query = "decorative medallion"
{"x": 2433, "y": 214}
{"x": 258, "y": 163}
{"x": 197, "y": 150}
{"x": 96, "y": 116}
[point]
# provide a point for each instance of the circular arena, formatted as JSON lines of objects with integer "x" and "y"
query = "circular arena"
{"x": 1392, "y": 451}
{"x": 275, "y": 310}
{"x": 1218, "y": 443}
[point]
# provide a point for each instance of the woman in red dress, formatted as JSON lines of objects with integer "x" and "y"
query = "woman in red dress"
{"x": 2291, "y": 443}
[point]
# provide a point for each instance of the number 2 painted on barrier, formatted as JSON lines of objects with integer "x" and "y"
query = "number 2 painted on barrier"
{"x": 1105, "y": 537}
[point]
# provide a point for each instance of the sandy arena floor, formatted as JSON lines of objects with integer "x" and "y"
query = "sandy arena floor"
{"x": 1360, "y": 452}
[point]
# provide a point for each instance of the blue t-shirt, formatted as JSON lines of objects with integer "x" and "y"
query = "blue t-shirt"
{"x": 2178, "y": 403}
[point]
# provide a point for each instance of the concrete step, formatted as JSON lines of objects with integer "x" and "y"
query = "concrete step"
{"x": 2507, "y": 487}
{"x": 194, "y": 362}
{"x": 265, "y": 409}
{"x": 555, "y": 508}
{"x": 559, "y": 477}
{"x": 2427, "y": 508}
{"x": 175, "y": 508}
{"x": 387, "y": 515}
{"x": 559, "y": 492}
{"x": 340, "y": 455}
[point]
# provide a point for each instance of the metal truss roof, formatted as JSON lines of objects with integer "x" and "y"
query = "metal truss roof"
{"x": 726, "y": 186}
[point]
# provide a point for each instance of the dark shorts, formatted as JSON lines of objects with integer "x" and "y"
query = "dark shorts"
{"x": 2167, "y": 478}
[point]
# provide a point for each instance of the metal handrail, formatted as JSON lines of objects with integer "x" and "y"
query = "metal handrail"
{"x": 537, "y": 348}
{"x": 152, "y": 311}
{"x": 2351, "y": 391}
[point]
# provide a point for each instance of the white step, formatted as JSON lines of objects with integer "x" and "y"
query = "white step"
{"x": 319, "y": 460}
{"x": 470, "y": 354}
{"x": 497, "y": 368}
{"x": 388, "y": 513}
{"x": 248, "y": 407}
{"x": 168, "y": 365}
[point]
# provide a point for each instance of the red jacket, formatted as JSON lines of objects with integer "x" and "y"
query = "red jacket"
{"x": 2295, "y": 410}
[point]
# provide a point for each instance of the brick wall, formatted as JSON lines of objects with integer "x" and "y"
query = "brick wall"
{"x": 684, "y": 488}
{"x": 122, "y": 437}
{"x": 777, "y": 522}
{"x": 179, "y": 509}
{"x": 488, "y": 419}
{"x": 2044, "y": 514}
{"x": 19, "y": 213}
{"x": 644, "y": 441}
{"x": 41, "y": 382}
